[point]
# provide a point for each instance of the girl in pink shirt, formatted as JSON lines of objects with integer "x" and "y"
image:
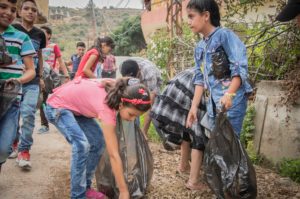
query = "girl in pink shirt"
{"x": 73, "y": 108}
{"x": 102, "y": 47}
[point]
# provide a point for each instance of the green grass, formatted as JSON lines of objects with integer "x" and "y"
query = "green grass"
{"x": 152, "y": 134}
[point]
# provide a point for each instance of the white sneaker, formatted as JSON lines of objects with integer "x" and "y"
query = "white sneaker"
{"x": 23, "y": 160}
{"x": 13, "y": 155}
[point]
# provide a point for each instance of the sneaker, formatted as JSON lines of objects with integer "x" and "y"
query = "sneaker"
{"x": 23, "y": 160}
{"x": 14, "y": 152}
{"x": 43, "y": 129}
{"x": 93, "y": 194}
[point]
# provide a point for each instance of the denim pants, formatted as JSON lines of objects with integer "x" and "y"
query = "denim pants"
{"x": 86, "y": 138}
{"x": 27, "y": 110}
{"x": 235, "y": 116}
{"x": 8, "y": 130}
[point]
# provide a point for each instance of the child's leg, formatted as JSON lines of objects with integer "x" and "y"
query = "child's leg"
{"x": 8, "y": 129}
{"x": 66, "y": 123}
{"x": 196, "y": 163}
{"x": 185, "y": 151}
{"x": 95, "y": 137}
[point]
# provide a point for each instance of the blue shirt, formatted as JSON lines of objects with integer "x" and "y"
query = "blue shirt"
{"x": 75, "y": 61}
{"x": 236, "y": 53}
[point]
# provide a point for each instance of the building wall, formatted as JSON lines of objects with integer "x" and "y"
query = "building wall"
{"x": 43, "y": 7}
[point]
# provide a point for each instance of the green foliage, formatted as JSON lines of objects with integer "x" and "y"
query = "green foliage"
{"x": 152, "y": 134}
{"x": 161, "y": 46}
{"x": 247, "y": 135}
{"x": 247, "y": 132}
{"x": 290, "y": 168}
{"x": 129, "y": 37}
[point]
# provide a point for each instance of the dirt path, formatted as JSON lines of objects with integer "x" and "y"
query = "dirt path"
{"x": 49, "y": 177}
{"x": 50, "y": 156}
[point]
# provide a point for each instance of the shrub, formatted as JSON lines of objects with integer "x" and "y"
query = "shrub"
{"x": 290, "y": 168}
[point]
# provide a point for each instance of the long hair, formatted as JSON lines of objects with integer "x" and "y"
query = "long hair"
{"x": 98, "y": 44}
{"x": 121, "y": 89}
{"x": 207, "y": 5}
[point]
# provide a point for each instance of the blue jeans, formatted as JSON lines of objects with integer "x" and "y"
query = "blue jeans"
{"x": 8, "y": 129}
{"x": 86, "y": 138}
{"x": 235, "y": 116}
{"x": 28, "y": 109}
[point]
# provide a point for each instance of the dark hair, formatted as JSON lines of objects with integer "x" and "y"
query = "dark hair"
{"x": 130, "y": 68}
{"x": 47, "y": 29}
{"x": 98, "y": 43}
{"x": 24, "y": 1}
{"x": 121, "y": 89}
{"x": 12, "y": 1}
{"x": 80, "y": 44}
{"x": 207, "y": 5}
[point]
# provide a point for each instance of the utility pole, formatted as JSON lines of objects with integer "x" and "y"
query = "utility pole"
{"x": 174, "y": 20}
{"x": 94, "y": 24}
{"x": 91, "y": 11}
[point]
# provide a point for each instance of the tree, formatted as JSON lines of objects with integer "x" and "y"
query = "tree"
{"x": 129, "y": 37}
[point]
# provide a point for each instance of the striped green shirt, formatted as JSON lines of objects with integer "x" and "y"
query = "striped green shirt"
{"x": 18, "y": 45}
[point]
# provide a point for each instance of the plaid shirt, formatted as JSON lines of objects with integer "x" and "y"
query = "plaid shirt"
{"x": 150, "y": 74}
{"x": 172, "y": 106}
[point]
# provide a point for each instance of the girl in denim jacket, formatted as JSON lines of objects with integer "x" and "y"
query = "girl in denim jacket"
{"x": 221, "y": 70}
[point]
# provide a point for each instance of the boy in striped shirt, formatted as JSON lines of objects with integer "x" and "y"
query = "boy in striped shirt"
{"x": 21, "y": 50}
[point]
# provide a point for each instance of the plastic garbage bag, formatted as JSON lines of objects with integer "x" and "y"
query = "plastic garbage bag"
{"x": 228, "y": 169}
{"x": 137, "y": 163}
{"x": 8, "y": 95}
{"x": 220, "y": 64}
{"x": 51, "y": 78}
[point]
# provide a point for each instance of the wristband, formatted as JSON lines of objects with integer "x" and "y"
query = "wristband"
{"x": 231, "y": 95}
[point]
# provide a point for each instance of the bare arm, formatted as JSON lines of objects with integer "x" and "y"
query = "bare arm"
{"x": 87, "y": 69}
{"x": 192, "y": 116}
{"x": 62, "y": 66}
{"x": 29, "y": 71}
{"x": 109, "y": 132}
{"x": 41, "y": 61}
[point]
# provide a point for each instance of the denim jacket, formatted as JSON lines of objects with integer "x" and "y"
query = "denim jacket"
{"x": 236, "y": 53}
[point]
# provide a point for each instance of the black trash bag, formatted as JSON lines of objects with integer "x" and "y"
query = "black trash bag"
{"x": 137, "y": 163}
{"x": 220, "y": 64}
{"x": 228, "y": 169}
{"x": 51, "y": 79}
{"x": 8, "y": 94}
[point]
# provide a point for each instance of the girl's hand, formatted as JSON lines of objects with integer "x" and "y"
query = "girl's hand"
{"x": 124, "y": 195}
{"x": 192, "y": 117}
{"x": 226, "y": 100}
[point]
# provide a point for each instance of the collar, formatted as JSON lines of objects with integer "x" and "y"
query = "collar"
{"x": 212, "y": 33}
{"x": 10, "y": 29}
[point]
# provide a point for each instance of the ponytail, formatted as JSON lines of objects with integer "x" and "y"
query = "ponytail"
{"x": 115, "y": 93}
{"x": 129, "y": 92}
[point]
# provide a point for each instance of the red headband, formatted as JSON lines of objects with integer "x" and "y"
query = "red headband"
{"x": 135, "y": 101}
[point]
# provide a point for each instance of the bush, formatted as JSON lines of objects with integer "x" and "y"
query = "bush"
{"x": 247, "y": 133}
{"x": 290, "y": 168}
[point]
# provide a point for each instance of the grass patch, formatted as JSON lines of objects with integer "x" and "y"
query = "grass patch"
{"x": 152, "y": 134}
{"x": 290, "y": 168}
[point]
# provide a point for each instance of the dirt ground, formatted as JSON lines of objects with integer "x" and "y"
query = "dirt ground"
{"x": 49, "y": 177}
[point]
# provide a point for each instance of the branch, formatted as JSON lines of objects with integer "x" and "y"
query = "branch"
{"x": 270, "y": 38}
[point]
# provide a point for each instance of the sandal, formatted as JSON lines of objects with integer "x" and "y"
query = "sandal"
{"x": 195, "y": 187}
